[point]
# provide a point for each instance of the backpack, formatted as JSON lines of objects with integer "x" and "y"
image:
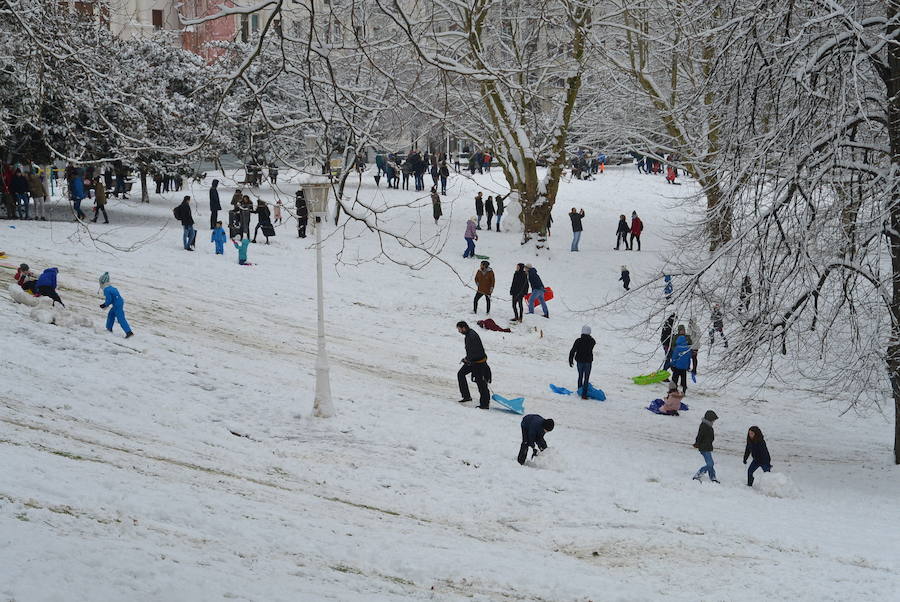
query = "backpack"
{"x": 177, "y": 212}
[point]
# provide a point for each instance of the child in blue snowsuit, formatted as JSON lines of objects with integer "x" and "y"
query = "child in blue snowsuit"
{"x": 242, "y": 250}
{"x": 219, "y": 237}
{"x": 116, "y": 304}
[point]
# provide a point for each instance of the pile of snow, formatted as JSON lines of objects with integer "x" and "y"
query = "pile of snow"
{"x": 20, "y": 295}
{"x": 46, "y": 312}
{"x": 775, "y": 484}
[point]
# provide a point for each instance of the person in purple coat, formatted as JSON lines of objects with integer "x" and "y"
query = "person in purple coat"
{"x": 471, "y": 236}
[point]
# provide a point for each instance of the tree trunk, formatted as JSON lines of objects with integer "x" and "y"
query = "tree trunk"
{"x": 892, "y": 83}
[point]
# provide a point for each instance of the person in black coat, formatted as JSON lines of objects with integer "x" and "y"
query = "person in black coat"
{"x": 302, "y": 213}
{"x": 479, "y": 210}
{"x": 665, "y": 336}
{"x": 475, "y": 363}
{"x": 576, "y": 217}
{"x": 263, "y": 220}
{"x": 183, "y": 214}
{"x": 756, "y": 448}
{"x": 534, "y": 427}
{"x": 582, "y": 353}
{"x": 489, "y": 211}
{"x": 704, "y": 444}
{"x": 214, "y": 205}
{"x": 518, "y": 290}
{"x": 622, "y": 231}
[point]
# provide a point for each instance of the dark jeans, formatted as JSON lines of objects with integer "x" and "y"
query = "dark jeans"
{"x": 49, "y": 291}
{"x": 518, "y": 306}
{"x": 635, "y": 237}
{"x": 680, "y": 373}
{"x": 523, "y": 449}
{"x": 478, "y": 372}
{"x": 693, "y": 360}
{"x": 470, "y": 248}
{"x": 584, "y": 375}
{"x": 301, "y": 226}
{"x": 256, "y": 231}
{"x": 753, "y": 466}
{"x": 101, "y": 209}
{"x": 622, "y": 237}
{"x": 213, "y": 218}
{"x": 487, "y": 299}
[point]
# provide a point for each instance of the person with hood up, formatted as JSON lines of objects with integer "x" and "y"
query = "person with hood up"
{"x": 46, "y": 285}
{"x": 479, "y": 209}
{"x": 622, "y": 233}
{"x": 116, "y": 304}
{"x": 625, "y": 278}
{"x": 637, "y": 226}
{"x": 756, "y": 448}
{"x": 704, "y": 444}
{"x": 219, "y": 237}
{"x": 436, "y": 210}
{"x": 76, "y": 190}
{"x": 214, "y": 205}
{"x": 582, "y": 353}
{"x": 302, "y": 213}
{"x": 534, "y": 427}
{"x": 484, "y": 280}
{"x": 537, "y": 291}
{"x": 681, "y": 357}
{"x": 474, "y": 363}
{"x": 517, "y": 290}
{"x": 242, "y": 250}
{"x": 471, "y": 236}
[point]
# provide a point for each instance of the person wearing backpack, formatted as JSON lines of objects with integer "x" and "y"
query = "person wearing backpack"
{"x": 183, "y": 214}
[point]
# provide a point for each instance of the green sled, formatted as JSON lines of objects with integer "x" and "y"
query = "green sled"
{"x": 649, "y": 379}
{"x": 483, "y": 256}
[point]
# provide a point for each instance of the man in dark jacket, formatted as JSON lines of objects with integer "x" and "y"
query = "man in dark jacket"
{"x": 479, "y": 209}
{"x": 534, "y": 427}
{"x": 302, "y": 213}
{"x": 214, "y": 205}
{"x": 475, "y": 363}
{"x": 582, "y": 352}
{"x": 704, "y": 444}
{"x": 518, "y": 290}
{"x": 576, "y": 217}
{"x": 537, "y": 291}
{"x": 665, "y": 337}
{"x": 183, "y": 214}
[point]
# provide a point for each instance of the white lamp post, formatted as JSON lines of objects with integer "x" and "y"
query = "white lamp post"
{"x": 316, "y": 193}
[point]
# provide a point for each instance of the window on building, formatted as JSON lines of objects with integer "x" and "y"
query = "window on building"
{"x": 157, "y": 19}
{"x": 245, "y": 28}
{"x": 254, "y": 23}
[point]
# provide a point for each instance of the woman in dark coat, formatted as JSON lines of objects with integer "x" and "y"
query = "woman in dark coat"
{"x": 264, "y": 220}
{"x": 622, "y": 231}
{"x": 756, "y": 448}
{"x": 436, "y": 205}
{"x": 489, "y": 210}
{"x": 518, "y": 290}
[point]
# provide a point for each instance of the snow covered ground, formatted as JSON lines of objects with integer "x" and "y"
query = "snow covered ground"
{"x": 182, "y": 464}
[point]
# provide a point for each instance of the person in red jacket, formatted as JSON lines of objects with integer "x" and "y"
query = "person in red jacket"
{"x": 637, "y": 226}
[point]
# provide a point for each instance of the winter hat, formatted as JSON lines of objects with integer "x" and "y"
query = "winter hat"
{"x": 710, "y": 415}
{"x": 472, "y": 219}
{"x": 634, "y": 214}
{"x": 527, "y": 266}
{"x": 549, "y": 424}
{"x": 104, "y": 279}
{"x": 673, "y": 386}
{"x": 24, "y": 267}
{"x": 585, "y": 329}
{"x": 624, "y": 268}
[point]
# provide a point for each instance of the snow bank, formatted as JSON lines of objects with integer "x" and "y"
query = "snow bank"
{"x": 46, "y": 312}
{"x": 19, "y": 295}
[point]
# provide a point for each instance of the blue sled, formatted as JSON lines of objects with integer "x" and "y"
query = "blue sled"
{"x": 594, "y": 393}
{"x": 658, "y": 403}
{"x": 516, "y": 406}
{"x": 560, "y": 390}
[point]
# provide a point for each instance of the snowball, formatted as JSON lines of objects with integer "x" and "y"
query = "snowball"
{"x": 775, "y": 484}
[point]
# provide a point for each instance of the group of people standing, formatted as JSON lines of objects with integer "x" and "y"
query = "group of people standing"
{"x": 415, "y": 165}
{"x": 623, "y": 230}
{"x": 524, "y": 276}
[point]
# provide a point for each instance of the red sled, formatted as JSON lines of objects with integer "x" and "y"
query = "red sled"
{"x": 548, "y": 294}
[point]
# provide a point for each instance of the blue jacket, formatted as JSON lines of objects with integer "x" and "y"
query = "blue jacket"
{"x": 242, "y": 248}
{"x": 681, "y": 353}
{"x": 219, "y": 236}
{"x": 534, "y": 280}
{"x": 77, "y": 188}
{"x": 111, "y": 297}
{"x": 533, "y": 431}
{"x": 47, "y": 278}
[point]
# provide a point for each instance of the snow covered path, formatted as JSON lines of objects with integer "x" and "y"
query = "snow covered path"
{"x": 182, "y": 463}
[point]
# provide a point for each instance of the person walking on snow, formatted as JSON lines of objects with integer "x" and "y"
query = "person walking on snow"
{"x": 479, "y": 209}
{"x": 576, "y": 217}
{"x": 475, "y": 363}
{"x": 100, "y": 201}
{"x": 693, "y": 333}
{"x": 436, "y": 210}
{"x": 625, "y": 277}
{"x": 276, "y": 213}
{"x": 718, "y": 325}
{"x": 214, "y": 205}
{"x": 582, "y": 353}
{"x": 38, "y": 194}
{"x": 219, "y": 237}
{"x": 517, "y": 290}
{"x": 183, "y": 214}
{"x": 484, "y": 280}
{"x": 302, "y": 213}
{"x": 637, "y": 226}
{"x": 444, "y": 172}
{"x": 622, "y": 233}
{"x": 537, "y": 291}
{"x": 704, "y": 444}
{"x": 534, "y": 427}
{"x": 756, "y": 447}
{"x": 471, "y": 236}
{"x": 116, "y": 304}
{"x": 263, "y": 220}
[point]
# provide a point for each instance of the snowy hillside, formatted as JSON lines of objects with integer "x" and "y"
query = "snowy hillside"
{"x": 183, "y": 464}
